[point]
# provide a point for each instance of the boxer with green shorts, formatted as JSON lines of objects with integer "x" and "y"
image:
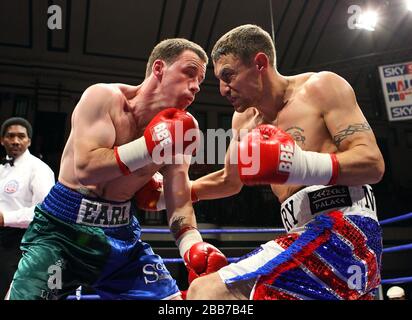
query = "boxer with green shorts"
{"x": 84, "y": 233}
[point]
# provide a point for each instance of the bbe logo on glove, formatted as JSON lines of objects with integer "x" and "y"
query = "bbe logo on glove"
{"x": 286, "y": 157}
{"x": 172, "y": 132}
{"x": 162, "y": 134}
{"x": 283, "y": 161}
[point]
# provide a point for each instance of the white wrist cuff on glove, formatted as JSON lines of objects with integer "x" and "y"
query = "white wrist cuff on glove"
{"x": 134, "y": 154}
{"x": 310, "y": 168}
{"x": 188, "y": 239}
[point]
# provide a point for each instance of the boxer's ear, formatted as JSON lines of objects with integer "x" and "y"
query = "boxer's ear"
{"x": 158, "y": 68}
{"x": 261, "y": 61}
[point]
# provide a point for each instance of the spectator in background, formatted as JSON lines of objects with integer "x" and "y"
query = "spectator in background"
{"x": 24, "y": 181}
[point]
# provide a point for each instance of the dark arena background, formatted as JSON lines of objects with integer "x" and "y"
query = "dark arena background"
{"x": 49, "y": 55}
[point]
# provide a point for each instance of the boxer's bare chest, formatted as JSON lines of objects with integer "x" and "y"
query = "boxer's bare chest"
{"x": 301, "y": 120}
{"x": 304, "y": 122}
{"x": 123, "y": 187}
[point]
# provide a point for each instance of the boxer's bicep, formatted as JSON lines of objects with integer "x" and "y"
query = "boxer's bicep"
{"x": 93, "y": 129}
{"x": 343, "y": 117}
{"x": 359, "y": 157}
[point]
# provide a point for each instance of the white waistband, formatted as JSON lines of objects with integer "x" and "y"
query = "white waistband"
{"x": 303, "y": 206}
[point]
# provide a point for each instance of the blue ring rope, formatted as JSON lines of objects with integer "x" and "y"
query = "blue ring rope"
{"x": 396, "y": 280}
{"x": 210, "y": 231}
{"x": 396, "y": 219}
{"x": 265, "y": 230}
{"x": 398, "y": 248}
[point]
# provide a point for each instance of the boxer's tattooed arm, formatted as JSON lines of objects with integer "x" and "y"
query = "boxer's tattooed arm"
{"x": 297, "y": 135}
{"x": 178, "y": 225}
{"x": 351, "y": 130}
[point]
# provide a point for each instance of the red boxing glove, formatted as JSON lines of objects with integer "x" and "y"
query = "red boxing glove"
{"x": 168, "y": 130}
{"x": 203, "y": 258}
{"x": 277, "y": 159}
{"x": 171, "y": 131}
{"x": 200, "y": 258}
{"x": 151, "y": 197}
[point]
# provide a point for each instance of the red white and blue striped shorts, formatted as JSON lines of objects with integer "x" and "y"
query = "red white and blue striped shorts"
{"x": 336, "y": 257}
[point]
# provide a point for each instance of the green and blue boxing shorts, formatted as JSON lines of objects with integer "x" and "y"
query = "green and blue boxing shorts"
{"x": 74, "y": 240}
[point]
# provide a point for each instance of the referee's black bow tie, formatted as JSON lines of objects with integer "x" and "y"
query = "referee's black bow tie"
{"x": 10, "y": 161}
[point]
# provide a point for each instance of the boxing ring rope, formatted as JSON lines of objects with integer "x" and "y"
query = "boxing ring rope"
{"x": 398, "y": 248}
{"x": 213, "y": 231}
{"x": 397, "y": 280}
{"x": 179, "y": 260}
{"x": 385, "y": 250}
{"x": 396, "y": 219}
{"x": 265, "y": 230}
{"x": 403, "y": 247}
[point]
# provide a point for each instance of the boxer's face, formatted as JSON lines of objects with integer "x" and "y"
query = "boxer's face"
{"x": 238, "y": 82}
{"x": 181, "y": 80}
{"x": 15, "y": 140}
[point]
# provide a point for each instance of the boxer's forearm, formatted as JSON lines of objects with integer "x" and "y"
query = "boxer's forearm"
{"x": 183, "y": 227}
{"x": 360, "y": 165}
{"x": 216, "y": 185}
{"x": 181, "y": 217}
{"x": 179, "y": 206}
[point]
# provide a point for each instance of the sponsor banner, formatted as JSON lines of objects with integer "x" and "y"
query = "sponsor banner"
{"x": 396, "y": 82}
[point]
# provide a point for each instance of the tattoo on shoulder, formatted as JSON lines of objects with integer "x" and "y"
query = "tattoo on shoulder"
{"x": 297, "y": 135}
{"x": 351, "y": 130}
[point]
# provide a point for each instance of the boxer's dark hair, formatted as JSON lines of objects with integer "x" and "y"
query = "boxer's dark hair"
{"x": 16, "y": 121}
{"x": 170, "y": 49}
{"x": 245, "y": 42}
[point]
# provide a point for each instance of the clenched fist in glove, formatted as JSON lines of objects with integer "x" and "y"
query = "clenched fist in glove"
{"x": 171, "y": 131}
{"x": 151, "y": 196}
{"x": 203, "y": 258}
{"x": 277, "y": 159}
{"x": 200, "y": 257}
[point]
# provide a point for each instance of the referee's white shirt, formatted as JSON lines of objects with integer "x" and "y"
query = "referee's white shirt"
{"x": 22, "y": 186}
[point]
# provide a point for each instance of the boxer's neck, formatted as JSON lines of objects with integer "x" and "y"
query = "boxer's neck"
{"x": 147, "y": 102}
{"x": 275, "y": 96}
